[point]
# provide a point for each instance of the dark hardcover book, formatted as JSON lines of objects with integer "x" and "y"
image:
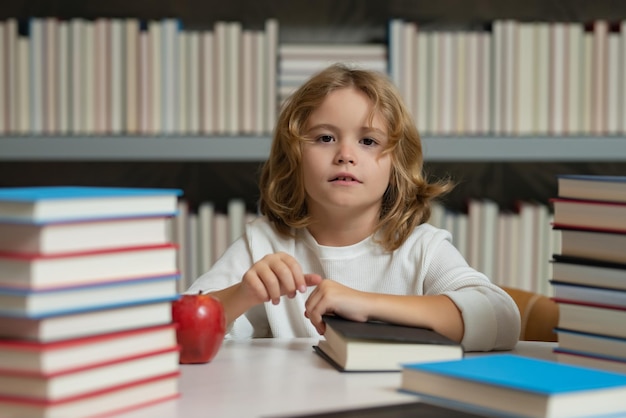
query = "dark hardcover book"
{"x": 378, "y": 346}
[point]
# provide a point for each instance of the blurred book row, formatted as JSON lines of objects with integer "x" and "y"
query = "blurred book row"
{"x": 126, "y": 76}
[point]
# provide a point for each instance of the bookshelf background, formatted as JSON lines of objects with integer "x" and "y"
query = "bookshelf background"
{"x": 221, "y": 168}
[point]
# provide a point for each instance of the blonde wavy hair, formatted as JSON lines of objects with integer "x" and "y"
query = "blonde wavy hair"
{"x": 407, "y": 201}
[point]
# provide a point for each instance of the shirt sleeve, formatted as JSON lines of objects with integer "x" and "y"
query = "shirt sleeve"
{"x": 490, "y": 316}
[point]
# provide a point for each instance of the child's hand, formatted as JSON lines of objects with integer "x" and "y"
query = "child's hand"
{"x": 332, "y": 297}
{"x": 273, "y": 276}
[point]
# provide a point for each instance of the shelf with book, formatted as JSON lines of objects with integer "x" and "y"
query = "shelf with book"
{"x": 256, "y": 148}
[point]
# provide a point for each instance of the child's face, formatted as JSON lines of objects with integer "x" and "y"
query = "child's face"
{"x": 343, "y": 164}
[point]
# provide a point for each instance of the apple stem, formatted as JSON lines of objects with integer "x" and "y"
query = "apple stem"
{"x": 199, "y": 292}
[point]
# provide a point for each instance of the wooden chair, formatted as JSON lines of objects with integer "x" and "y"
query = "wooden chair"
{"x": 539, "y": 313}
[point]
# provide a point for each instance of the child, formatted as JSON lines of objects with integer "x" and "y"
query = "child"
{"x": 345, "y": 204}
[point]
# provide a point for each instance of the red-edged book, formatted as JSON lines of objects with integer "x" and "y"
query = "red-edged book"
{"x": 107, "y": 402}
{"x": 31, "y": 357}
{"x": 37, "y": 271}
{"x": 589, "y": 214}
{"x": 89, "y": 378}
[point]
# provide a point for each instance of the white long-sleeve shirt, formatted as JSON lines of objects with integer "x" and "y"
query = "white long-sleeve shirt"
{"x": 426, "y": 264}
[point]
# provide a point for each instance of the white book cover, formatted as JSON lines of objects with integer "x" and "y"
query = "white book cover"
{"x": 23, "y": 93}
{"x": 542, "y": 81}
{"x": 51, "y": 75}
{"x": 102, "y": 76}
{"x": 220, "y": 234}
{"x": 574, "y": 73}
{"x": 488, "y": 236}
{"x": 37, "y": 51}
{"x": 511, "y": 85}
{"x": 423, "y": 86}
{"x": 193, "y": 85}
{"x": 117, "y": 104}
{"x": 435, "y": 82}
{"x": 63, "y": 83}
{"x": 558, "y": 78}
{"x": 615, "y": 76}
{"x": 193, "y": 247}
{"x": 622, "y": 116}
{"x": 526, "y": 102}
{"x": 460, "y": 230}
{"x": 233, "y": 77}
{"x": 395, "y": 48}
{"x": 474, "y": 233}
{"x": 77, "y": 76}
{"x": 437, "y": 214}
{"x": 409, "y": 71}
{"x": 271, "y": 38}
{"x": 587, "y": 84}
{"x": 599, "y": 69}
{"x": 208, "y": 97}
{"x": 181, "y": 238}
{"x": 498, "y": 76}
{"x": 4, "y": 63}
{"x": 543, "y": 254}
{"x": 183, "y": 89}
{"x": 155, "y": 35}
{"x": 485, "y": 72}
{"x": 236, "y": 212}
{"x": 169, "y": 75}
{"x": 11, "y": 37}
{"x": 220, "y": 31}
{"x": 461, "y": 70}
{"x": 89, "y": 84}
{"x": 131, "y": 76}
{"x": 247, "y": 90}
{"x": 526, "y": 257}
{"x": 447, "y": 83}
{"x": 472, "y": 82}
{"x": 260, "y": 88}
{"x": 511, "y": 241}
{"x": 206, "y": 213}
{"x": 144, "y": 96}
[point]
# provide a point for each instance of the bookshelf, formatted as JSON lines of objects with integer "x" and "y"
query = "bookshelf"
{"x": 502, "y": 168}
{"x": 256, "y": 148}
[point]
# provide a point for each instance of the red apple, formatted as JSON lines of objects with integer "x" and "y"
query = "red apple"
{"x": 201, "y": 327}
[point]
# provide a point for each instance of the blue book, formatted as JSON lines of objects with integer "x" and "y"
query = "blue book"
{"x": 516, "y": 386}
{"x": 75, "y": 203}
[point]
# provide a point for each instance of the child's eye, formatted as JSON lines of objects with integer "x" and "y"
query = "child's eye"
{"x": 368, "y": 141}
{"x": 325, "y": 138}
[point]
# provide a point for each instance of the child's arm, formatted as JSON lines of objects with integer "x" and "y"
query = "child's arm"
{"x": 437, "y": 312}
{"x": 273, "y": 276}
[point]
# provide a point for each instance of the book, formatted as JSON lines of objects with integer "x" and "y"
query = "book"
{"x": 588, "y": 272}
{"x": 61, "y": 356}
{"x": 378, "y": 346}
{"x": 63, "y": 327}
{"x": 60, "y": 237}
{"x": 71, "y": 269}
{"x": 76, "y": 299}
{"x": 591, "y": 344}
{"x": 593, "y": 245}
{"x": 71, "y": 203}
{"x": 82, "y": 381}
{"x": 589, "y": 214}
{"x": 109, "y": 402}
{"x": 509, "y": 384}
{"x": 593, "y": 318}
{"x": 586, "y": 359}
{"x": 589, "y": 294}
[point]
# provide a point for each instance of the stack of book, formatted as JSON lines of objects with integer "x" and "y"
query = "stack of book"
{"x": 87, "y": 277}
{"x": 589, "y": 272}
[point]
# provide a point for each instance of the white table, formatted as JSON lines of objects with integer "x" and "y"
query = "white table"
{"x": 273, "y": 377}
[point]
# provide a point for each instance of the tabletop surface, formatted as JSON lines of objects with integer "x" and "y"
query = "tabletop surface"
{"x": 281, "y": 378}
